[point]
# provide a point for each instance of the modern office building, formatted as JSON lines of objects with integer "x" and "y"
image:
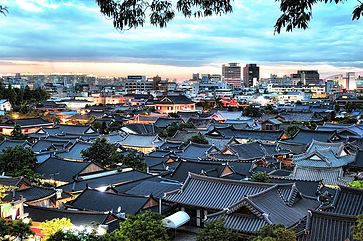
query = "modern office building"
{"x": 251, "y": 75}
{"x": 137, "y": 83}
{"x": 231, "y": 74}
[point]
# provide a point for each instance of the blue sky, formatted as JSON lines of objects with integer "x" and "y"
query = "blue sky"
{"x": 72, "y": 36}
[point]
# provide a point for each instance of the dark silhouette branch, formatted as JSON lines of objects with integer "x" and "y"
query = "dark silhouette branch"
{"x": 3, "y": 10}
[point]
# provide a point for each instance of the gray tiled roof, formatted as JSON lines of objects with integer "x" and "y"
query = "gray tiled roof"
{"x": 157, "y": 189}
{"x": 31, "y": 193}
{"x": 329, "y": 176}
{"x": 324, "y": 226}
{"x": 143, "y": 129}
{"x": 218, "y": 193}
{"x": 12, "y": 181}
{"x": 322, "y": 158}
{"x": 107, "y": 180}
{"x": 141, "y": 141}
{"x": 279, "y": 211}
{"x": 249, "y": 151}
{"x": 44, "y": 144}
{"x": 165, "y": 122}
{"x": 62, "y": 170}
{"x": 230, "y": 131}
{"x": 183, "y": 136}
{"x": 307, "y": 136}
{"x": 41, "y": 214}
{"x": 13, "y": 143}
{"x": 349, "y": 201}
{"x": 243, "y": 223}
{"x": 25, "y": 122}
{"x": 266, "y": 207}
{"x": 195, "y": 151}
{"x": 305, "y": 187}
{"x": 95, "y": 200}
{"x": 75, "y": 151}
{"x": 211, "y": 169}
{"x": 218, "y": 142}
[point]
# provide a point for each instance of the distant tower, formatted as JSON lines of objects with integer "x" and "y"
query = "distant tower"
{"x": 232, "y": 74}
{"x": 251, "y": 75}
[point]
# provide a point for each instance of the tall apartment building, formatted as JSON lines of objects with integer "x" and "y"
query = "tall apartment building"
{"x": 232, "y": 74}
{"x": 251, "y": 75}
{"x": 307, "y": 77}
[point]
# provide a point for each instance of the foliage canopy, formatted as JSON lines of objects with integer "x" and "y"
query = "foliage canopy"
{"x": 129, "y": 14}
{"x": 215, "y": 231}
{"x": 274, "y": 232}
{"x": 143, "y": 227}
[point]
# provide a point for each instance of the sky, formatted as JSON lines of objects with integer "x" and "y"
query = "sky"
{"x": 72, "y": 36}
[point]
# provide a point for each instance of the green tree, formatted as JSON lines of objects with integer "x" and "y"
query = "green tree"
{"x": 274, "y": 232}
{"x": 62, "y": 235}
{"x": 171, "y": 130}
{"x": 101, "y": 127}
{"x": 358, "y": 229}
{"x": 215, "y": 231}
{"x": 102, "y": 152}
{"x": 134, "y": 161}
{"x": 143, "y": 227}
{"x": 133, "y": 14}
{"x": 357, "y": 184}
{"x": 292, "y": 130}
{"x": 270, "y": 110}
{"x": 17, "y": 133}
{"x": 337, "y": 108}
{"x": 199, "y": 139}
{"x": 4, "y": 191}
{"x": 251, "y": 111}
{"x": 350, "y": 107}
{"x": 52, "y": 226}
{"x": 260, "y": 177}
{"x": 18, "y": 161}
{"x": 104, "y": 128}
{"x": 115, "y": 126}
{"x": 15, "y": 230}
{"x": 347, "y": 120}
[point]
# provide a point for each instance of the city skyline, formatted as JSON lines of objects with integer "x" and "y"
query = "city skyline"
{"x": 39, "y": 39}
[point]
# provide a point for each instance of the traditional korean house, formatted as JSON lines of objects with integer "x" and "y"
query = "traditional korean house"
{"x": 324, "y": 226}
{"x": 210, "y": 169}
{"x": 6, "y": 143}
{"x": 49, "y": 145}
{"x": 244, "y": 136}
{"x": 38, "y": 196}
{"x": 60, "y": 171}
{"x": 28, "y": 125}
{"x": 174, "y": 104}
{"x": 271, "y": 124}
{"x": 202, "y": 196}
{"x": 335, "y": 222}
{"x": 140, "y": 129}
{"x": 102, "y": 180}
{"x": 93, "y": 200}
{"x": 267, "y": 207}
{"x": 196, "y": 151}
{"x": 164, "y": 122}
{"x": 323, "y": 161}
{"x": 74, "y": 153}
{"x": 142, "y": 143}
{"x": 105, "y": 222}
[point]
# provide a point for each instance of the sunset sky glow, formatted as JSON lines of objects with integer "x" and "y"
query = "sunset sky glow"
{"x": 64, "y": 36}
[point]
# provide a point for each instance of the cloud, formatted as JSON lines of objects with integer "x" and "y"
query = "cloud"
{"x": 66, "y": 30}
